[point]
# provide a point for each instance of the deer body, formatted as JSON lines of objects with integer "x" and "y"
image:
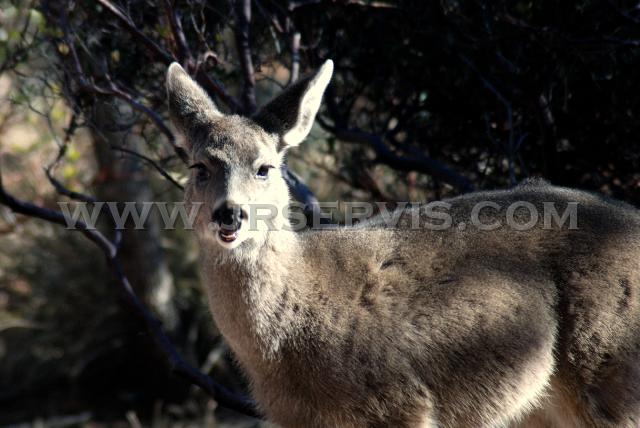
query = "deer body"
{"x": 381, "y": 326}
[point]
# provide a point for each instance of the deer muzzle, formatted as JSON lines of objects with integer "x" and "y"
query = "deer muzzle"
{"x": 229, "y": 218}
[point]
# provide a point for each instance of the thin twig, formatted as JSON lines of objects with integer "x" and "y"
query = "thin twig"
{"x": 151, "y": 162}
{"x": 511, "y": 144}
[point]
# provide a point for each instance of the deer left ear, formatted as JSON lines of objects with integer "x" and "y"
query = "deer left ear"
{"x": 292, "y": 113}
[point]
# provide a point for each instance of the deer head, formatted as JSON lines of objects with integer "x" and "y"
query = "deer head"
{"x": 236, "y": 161}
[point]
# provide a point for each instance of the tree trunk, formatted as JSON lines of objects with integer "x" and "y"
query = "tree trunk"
{"x": 122, "y": 179}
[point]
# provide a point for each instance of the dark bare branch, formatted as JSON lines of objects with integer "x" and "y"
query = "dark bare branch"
{"x": 61, "y": 188}
{"x": 86, "y": 84}
{"x": 174, "y": 360}
{"x": 184, "y": 53}
{"x": 510, "y": 146}
{"x": 385, "y": 155}
{"x": 243, "y": 24}
{"x": 153, "y": 48}
{"x": 295, "y": 57}
{"x": 211, "y": 85}
{"x": 27, "y": 208}
{"x": 151, "y": 162}
{"x": 154, "y": 116}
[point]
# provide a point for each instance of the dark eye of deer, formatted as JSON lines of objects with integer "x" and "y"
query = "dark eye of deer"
{"x": 263, "y": 171}
{"x": 202, "y": 173}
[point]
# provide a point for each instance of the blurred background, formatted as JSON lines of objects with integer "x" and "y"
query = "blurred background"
{"x": 430, "y": 99}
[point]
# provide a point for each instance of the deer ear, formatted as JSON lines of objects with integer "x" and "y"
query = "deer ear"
{"x": 190, "y": 107}
{"x": 292, "y": 113}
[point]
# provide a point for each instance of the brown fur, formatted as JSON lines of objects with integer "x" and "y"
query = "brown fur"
{"x": 376, "y": 326}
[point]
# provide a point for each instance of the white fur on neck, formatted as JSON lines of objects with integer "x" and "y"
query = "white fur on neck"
{"x": 245, "y": 304}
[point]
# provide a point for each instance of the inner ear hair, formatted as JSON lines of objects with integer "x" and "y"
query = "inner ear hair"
{"x": 291, "y": 114}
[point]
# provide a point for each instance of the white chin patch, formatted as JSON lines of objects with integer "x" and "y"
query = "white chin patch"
{"x": 228, "y": 240}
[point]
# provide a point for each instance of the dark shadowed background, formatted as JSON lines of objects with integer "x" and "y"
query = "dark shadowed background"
{"x": 429, "y": 99}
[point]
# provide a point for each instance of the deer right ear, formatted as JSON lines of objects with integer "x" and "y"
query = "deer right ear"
{"x": 292, "y": 113}
{"x": 190, "y": 107}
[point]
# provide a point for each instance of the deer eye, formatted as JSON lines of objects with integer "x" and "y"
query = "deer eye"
{"x": 202, "y": 173}
{"x": 263, "y": 171}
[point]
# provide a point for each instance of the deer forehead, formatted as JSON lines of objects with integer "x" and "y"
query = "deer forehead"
{"x": 237, "y": 140}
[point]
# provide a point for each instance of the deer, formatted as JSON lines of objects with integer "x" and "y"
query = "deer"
{"x": 375, "y": 325}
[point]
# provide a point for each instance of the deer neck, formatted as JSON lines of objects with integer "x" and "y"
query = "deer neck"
{"x": 251, "y": 296}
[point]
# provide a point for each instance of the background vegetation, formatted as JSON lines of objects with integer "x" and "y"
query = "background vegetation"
{"x": 429, "y": 99}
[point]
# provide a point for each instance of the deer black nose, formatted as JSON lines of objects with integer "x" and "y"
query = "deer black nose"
{"x": 229, "y": 216}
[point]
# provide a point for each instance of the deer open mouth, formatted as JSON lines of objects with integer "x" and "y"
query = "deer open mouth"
{"x": 227, "y": 235}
